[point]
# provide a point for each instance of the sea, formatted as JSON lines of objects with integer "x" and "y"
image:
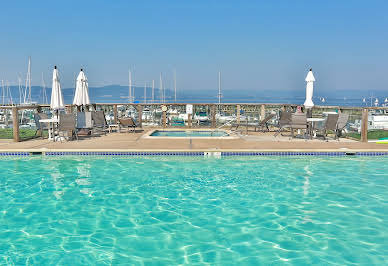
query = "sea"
{"x": 119, "y": 94}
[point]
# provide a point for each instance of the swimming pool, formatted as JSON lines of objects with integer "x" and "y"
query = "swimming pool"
{"x": 74, "y": 210}
{"x": 189, "y": 133}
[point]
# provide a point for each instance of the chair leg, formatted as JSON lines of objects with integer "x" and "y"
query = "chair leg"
{"x": 278, "y": 132}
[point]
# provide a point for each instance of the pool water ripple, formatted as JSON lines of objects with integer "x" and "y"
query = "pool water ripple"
{"x": 235, "y": 210}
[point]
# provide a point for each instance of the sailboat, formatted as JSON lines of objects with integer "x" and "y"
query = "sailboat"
{"x": 27, "y": 98}
{"x": 9, "y": 94}
{"x": 44, "y": 93}
{"x": 385, "y": 102}
{"x": 131, "y": 91}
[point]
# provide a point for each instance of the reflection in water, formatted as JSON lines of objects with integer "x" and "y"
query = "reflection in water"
{"x": 82, "y": 179}
{"x": 306, "y": 183}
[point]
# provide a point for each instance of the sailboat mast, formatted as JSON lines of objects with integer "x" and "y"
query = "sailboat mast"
{"x": 219, "y": 87}
{"x": 145, "y": 92}
{"x": 29, "y": 79}
{"x": 44, "y": 95}
{"x": 20, "y": 90}
{"x": 6, "y": 92}
{"x": 153, "y": 91}
{"x": 161, "y": 88}
{"x": 175, "y": 85}
{"x": 130, "y": 86}
{"x": 9, "y": 94}
{"x": 2, "y": 90}
{"x": 27, "y": 89}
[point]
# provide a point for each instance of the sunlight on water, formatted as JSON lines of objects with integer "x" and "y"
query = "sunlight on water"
{"x": 236, "y": 210}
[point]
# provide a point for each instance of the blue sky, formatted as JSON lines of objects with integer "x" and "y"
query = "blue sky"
{"x": 256, "y": 44}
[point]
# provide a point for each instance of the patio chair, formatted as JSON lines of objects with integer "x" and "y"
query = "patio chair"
{"x": 262, "y": 124}
{"x": 330, "y": 125}
{"x": 67, "y": 122}
{"x": 39, "y": 125}
{"x": 128, "y": 122}
{"x": 298, "y": 121}
{"x": 99, "y": 122}
{"x": 341, "y": 124}
{"x": 84, "y": 122}
{"x": 284, "y": 122}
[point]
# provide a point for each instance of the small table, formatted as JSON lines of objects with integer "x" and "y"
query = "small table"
{"x": 114, "y": 127}
{"x": 51, "y": 122}
{"x": 312, "y": 122}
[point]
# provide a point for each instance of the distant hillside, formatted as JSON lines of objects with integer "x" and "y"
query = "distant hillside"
{"x": 119, "y": 94}
{"x": 106, "y": 94}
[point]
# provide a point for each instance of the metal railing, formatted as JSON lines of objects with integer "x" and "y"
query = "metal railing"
{"x": 17, "y": 120}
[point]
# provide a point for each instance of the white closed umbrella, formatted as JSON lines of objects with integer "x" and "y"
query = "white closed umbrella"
{"x": 56, "y": 92}
{"x": 81, "y": 96}
{"x": 309, "y": 90}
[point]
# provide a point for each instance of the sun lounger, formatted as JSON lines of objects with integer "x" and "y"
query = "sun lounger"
{"x": 284, "y": 122}
{"x": 128, "y": 122}
{"x": 263, "y": 124}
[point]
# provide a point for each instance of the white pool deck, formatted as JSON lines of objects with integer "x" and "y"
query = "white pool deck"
{"x": 138, "y": 141}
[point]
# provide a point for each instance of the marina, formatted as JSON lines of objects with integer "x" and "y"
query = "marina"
{"x": 193, "y": 133}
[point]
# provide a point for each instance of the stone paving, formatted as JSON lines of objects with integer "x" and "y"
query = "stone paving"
{"x": 137, "y": 141}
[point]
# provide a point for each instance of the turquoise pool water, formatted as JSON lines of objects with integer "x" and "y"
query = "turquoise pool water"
{"x": 168, "y": 211}
{"x": 189, "y": 133}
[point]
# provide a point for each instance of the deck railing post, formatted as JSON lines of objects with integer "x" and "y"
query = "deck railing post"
{"x": 140, "y": 115}
{"x": 164, "y": 119}
{"x": 238, "y": 113}
{"x": 213, "y": 111}
{"x": 189, "y": 120}
{"x": 364, "y": 125}
{"x": 262, "y": 112}
{"x": 15, "y": 124}
{"x": 115, "y": 115}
